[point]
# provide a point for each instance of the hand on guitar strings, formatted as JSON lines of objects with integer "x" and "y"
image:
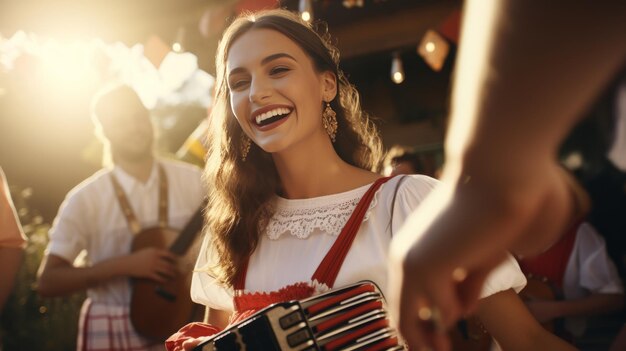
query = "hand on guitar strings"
{"x": 153, "y": 263}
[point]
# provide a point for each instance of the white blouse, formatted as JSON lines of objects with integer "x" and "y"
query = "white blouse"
{"x": 302, "y": 231}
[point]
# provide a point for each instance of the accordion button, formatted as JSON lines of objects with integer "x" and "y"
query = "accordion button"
{"x": 298, "y": 337}
{"x": 291, "y": 319}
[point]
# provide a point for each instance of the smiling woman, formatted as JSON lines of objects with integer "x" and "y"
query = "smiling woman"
{"x": 276, "y": 65}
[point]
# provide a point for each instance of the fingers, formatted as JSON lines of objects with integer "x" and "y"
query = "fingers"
{"x": 408, "y": 323}
{"x": 156, "y": 264}
{"x": 469, "y": 291}
{"x": 424, "y": 329}
{"x": 190, "y": 344}
{"x": 444, "y": 298}
{"x": 425, "y": 305}
{"x": 164, "y": 270}
{"x": 469, "y": 283}
{"x": 442, "y": 312}
{"x": 432, "y": 330}
{"x": 164, "y": 254}
{"x": 169, "y": 256}
{"x": 422, "y": 323}
{"x": 163, "y": 277}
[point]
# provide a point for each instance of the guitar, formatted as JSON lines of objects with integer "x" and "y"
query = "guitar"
{"x": 158, "y": 310}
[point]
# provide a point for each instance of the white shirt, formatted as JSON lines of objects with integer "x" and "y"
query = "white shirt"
{"x": 302, "y": 231}
{"x": 91, "y": 218}
{"x": 589, "y": 270}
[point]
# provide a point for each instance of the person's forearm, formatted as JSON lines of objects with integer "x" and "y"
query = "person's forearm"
{"x": 63, "y": 280}
{"x": 525, "y": 75}
{"x": 526, "y": 72}
{"x": 516, "y": 329}
{"x": 472, "y": 225}
{"x": 595, "y": 304}
{"x": 513, "y": 105}
{"x": 10, "y": 259}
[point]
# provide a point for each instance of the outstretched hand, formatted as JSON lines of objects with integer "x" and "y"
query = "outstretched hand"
{"x": 427, "y": 297}
{"x": 436, "y": 270}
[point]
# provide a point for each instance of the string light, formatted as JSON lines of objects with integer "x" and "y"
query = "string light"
{"x": 177, "y": 46}
{"x": 397, "y": 71}
{"x": 306, "y": 10}
{"x": 433, "y": 48}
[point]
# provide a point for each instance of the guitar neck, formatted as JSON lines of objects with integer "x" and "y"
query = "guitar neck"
{"x": 188, "y": 234}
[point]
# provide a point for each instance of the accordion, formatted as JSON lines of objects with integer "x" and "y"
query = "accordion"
{"x": 349, "y": 318}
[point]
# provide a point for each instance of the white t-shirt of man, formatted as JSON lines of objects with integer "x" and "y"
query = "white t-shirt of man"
{"x": 589, "y": 270}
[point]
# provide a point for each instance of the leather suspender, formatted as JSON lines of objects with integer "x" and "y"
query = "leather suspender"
{"x": 131, "y": 219}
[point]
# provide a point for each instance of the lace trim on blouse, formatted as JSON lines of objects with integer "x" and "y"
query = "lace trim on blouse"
{"x": 329, "y": 214}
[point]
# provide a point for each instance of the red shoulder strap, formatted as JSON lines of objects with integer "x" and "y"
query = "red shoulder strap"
{"x": 552, "y": 263}
{"x": 240, "y": 278}
{"x": 328, "y": 269}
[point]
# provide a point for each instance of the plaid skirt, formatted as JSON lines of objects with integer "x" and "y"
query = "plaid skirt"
{"x": 105, "y": 327}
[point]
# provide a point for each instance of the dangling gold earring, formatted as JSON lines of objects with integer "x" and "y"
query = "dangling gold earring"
{"x": 245, "y": 146}
{"x": 329, "y": 121}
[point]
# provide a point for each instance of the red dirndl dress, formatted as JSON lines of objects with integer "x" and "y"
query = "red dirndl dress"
{"x": 246, "y": 304}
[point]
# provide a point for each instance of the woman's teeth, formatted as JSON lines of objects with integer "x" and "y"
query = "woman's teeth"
{"x": 269, "y": 114}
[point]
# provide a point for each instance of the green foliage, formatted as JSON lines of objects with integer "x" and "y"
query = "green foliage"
{"x": 30, "y": 322}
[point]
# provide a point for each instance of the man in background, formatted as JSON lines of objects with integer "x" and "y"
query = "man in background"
{"x": 104, "y": 213}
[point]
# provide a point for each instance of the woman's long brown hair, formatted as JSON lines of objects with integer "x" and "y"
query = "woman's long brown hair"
{"x": 241, "y": 192}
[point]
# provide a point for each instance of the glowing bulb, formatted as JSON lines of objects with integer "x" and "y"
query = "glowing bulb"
{"x": 398, "y": 77}
{"x": 430, "y": 46}
{"x": 397, "y": 71}
{"x": 306, "y": 10}
{"x": 177, "y": 45}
